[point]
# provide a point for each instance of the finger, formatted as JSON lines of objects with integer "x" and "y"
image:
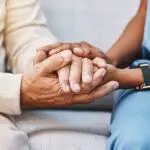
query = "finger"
{"x": 55, "y": 62}
{"x": 104, "y": 89}
{"x": 98, "y": 77}
{"x": 74, "y": 45}
{"x": 79, "y": 51}
{"x": 83, "y": 50}
{"x": 95, "y": 68}
{"x": 97, "y": 93}
{"x": 100, "y": 73}
{"x": 85, "y": 44}
{"x": 97, "y": 80}
{"x": 86, "y": 49}
{"x": 63, "y": 75}
{"x": 88, "y": 44}
{"x": 75, "y": 74}
{"x": 64, "y": 46}
{"x": 99, "y": 62}
{"x": 50, "y": 47}
{"x": 87, "y": 70}
{"x": 89, "y": 51}
{"x": 40, "y": 56}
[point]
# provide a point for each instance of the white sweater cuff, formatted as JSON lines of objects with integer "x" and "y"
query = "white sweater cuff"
{"x": 10, "y": 93}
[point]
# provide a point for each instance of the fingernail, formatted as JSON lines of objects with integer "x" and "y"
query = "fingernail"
{"x": 78, "y": 50}
{"x": 115, "y": 86}
{"x": 66, "y": 55}
{"x": 76, "y": 88}
{"x": 66, "y": 88}
{"x": 100, "y": 73}
{"x": 87, "y": 79}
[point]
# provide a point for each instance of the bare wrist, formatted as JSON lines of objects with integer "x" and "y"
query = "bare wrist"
{"x": 129, "y": 78}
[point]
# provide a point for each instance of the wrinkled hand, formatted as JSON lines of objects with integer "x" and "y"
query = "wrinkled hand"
{"x": 40, "y": 86}
{"x": 41, "y": 89}
{"x": 78, "y": 77}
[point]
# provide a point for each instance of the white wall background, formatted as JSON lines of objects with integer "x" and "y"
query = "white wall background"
{"x": 97, "y": 21}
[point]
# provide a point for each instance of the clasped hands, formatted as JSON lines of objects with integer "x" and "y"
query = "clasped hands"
{"x": 67, "y": 73}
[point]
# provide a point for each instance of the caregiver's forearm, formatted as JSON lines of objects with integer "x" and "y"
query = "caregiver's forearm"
{"x": 127, "y": 48}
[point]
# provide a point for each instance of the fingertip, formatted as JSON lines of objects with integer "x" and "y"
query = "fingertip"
{"x": 75, "y": 88}
{"x": 79, "y": 51}
{"x": 52, "y": 52}
{"x": 100, "y": 73}
{"x": 67, "y": 55}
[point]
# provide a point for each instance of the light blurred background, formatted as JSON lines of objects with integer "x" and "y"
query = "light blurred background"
{"x": 97, "y": 21}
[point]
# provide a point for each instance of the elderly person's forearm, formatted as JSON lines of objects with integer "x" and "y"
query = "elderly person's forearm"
{"x": 24, "y": 34}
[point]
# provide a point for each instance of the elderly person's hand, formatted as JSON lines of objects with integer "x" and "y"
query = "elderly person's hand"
{"x": 80, "y": 76}
{"x": 41, "y": 88}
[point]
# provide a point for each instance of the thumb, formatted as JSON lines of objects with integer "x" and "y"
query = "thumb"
{"x": 55, "y": 62}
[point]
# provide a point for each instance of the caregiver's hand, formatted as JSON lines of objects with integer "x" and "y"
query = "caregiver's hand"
{"x": 41, "y": 88}
{"x": 79, "y": 76}
{"x": 81, "y": 49}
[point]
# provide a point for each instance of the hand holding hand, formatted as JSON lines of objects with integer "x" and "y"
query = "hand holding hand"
{"x": 41, "y": 89}
{"x": 78, "y": 77}
{"x": 81, "y": 49}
